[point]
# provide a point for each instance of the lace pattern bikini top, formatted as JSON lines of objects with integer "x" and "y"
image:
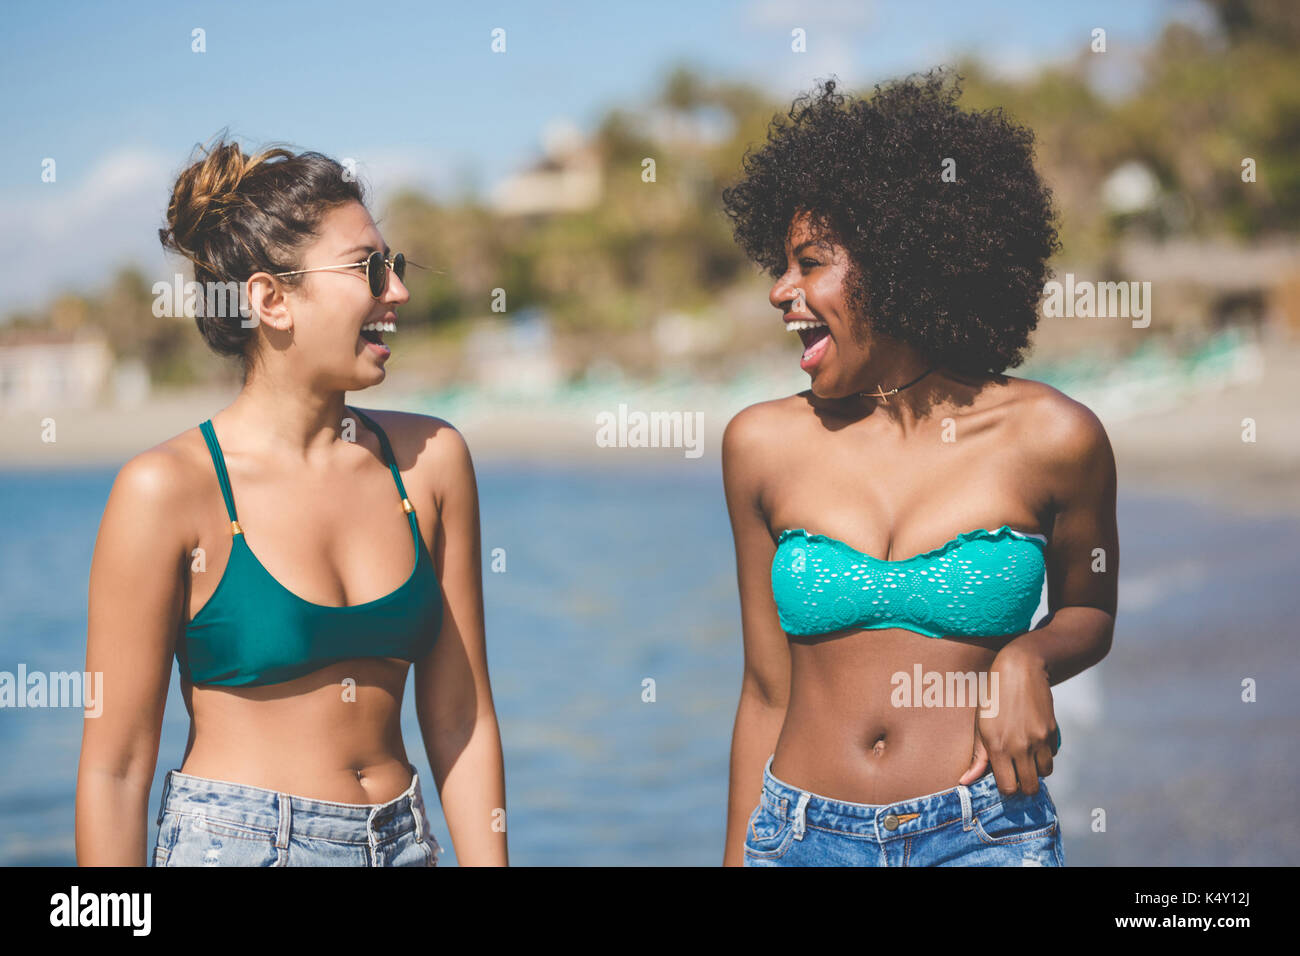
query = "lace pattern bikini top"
{"x": 980, "y": 584}
{"x": 254, "y": 631}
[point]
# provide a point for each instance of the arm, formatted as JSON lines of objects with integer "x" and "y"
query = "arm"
{"x": 1082, "y": 588}
{"x": 765, "y": 682}
{"x": 134, "y": 607}
{"x": 1083, "y": 557}
{"x": 453, "y": 695}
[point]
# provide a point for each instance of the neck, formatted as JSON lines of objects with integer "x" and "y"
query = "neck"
{"x": 934, "y": 390}
{"x": 292, "y": 422}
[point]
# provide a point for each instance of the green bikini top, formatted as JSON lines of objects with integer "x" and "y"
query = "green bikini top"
{"x": 254, "y": 631}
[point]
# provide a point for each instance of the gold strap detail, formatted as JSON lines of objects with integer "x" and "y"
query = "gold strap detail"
{"x": 407, "y": 506}
{"x": 235, "y": 528}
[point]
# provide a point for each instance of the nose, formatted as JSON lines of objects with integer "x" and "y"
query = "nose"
{"x": 783, "y": 291}
{"x": 397, "y": 293}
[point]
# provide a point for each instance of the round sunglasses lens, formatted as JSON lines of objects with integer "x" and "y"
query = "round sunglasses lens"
{"x": 377, "y": 273}
{"x": 399, "y": 266}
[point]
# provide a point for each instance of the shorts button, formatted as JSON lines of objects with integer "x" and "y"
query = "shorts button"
{"x": 890, "y": 822}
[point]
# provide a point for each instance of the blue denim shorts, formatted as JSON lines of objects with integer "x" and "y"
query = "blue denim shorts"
{"x": 960, "y": 826}
{"x": 203, "y": 822}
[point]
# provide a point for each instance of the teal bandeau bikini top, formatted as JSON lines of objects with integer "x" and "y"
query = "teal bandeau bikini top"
{"x": 980, "y": 584}
{"x": 254, "y": 631}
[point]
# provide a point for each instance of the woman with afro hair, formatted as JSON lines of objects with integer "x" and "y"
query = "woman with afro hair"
{"x": 899, "y": 524}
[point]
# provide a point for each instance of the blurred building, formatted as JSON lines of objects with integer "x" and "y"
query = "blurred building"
{"x": 514, "y": 355}
{"x": 1211, "y": 283}
{"x": 567, "y": 179}
{"x": 44, "y": 368}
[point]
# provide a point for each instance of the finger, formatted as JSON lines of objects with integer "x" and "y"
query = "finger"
{"x": 1027, "y": 773}
{"x": 1043, "y": 760}
{"x": 1004, "y": 772}
{"x": 978, "y": 765}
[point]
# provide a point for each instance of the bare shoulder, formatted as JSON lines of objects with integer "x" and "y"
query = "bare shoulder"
{"x": 425, "y": 444}
{"x": 760, "y": 426}
{"x": 155, "y": 489}
{"x": 1066, "y": 432}
{"x": 156, "y": 474}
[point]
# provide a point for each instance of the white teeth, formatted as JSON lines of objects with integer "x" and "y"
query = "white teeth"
{"x": 799, "y": 325}
{"x": 379, "y": 327}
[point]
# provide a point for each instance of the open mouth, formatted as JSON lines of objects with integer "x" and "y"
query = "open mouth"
{"x": 373, "y": 332}
{"x": 816, "y": 337}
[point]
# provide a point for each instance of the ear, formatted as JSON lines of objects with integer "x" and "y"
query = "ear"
{"x": 268, "y": 303}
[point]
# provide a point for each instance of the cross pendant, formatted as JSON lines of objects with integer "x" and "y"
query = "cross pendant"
{"x": 880, "y": 393}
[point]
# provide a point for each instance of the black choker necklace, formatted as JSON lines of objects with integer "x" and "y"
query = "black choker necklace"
{"x": 881, "y": 393}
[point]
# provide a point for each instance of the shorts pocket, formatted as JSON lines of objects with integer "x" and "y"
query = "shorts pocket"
{"x": 1018, "y": 818}
{"x": 198, "y": 840}
{"x": 160, "y": 854}
{"x": 229, "y": 828}
{"x": 767, "y": 835}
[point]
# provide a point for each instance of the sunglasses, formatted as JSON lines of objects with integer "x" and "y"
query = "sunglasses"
{"x": 377, "y": 267}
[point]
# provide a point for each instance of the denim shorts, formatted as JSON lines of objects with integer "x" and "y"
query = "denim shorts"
{"x": 203, "y": 822}
{"x": 962, "y": 826}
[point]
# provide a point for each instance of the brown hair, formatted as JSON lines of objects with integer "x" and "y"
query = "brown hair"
{"x": 232, "y": 215}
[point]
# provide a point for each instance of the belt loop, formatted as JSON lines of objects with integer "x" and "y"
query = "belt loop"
{"x": 964, "y": 792}
{"x": 415, "y": 812}
{"x": 799, "y": 814}
{"x": 371, "y": 837}
{"x": 285, "y": 806}
{"x": 162, "y": 800}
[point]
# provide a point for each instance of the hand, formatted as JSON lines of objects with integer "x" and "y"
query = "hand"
{"x": 1017, "y": 740}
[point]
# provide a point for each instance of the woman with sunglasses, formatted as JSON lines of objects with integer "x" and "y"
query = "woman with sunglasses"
{"x": 897, "y": 524}
{"x": 295, "y": 555}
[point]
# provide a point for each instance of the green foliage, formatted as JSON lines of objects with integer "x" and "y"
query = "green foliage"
{"x": 1202, "y": 104}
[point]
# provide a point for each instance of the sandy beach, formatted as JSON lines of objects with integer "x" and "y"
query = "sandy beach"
{"x": 1186, "y": 442}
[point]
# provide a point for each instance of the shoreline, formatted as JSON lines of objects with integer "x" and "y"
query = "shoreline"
{"x": 1185, "y": 441}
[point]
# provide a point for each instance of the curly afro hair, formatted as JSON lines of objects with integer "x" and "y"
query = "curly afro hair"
{"x": 955, "y": 269}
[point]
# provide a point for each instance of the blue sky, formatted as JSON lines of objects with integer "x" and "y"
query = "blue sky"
{"x": 412, "y": 91}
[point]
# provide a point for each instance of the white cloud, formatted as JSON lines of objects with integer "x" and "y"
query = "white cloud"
{"x": 833, "y": 30}
{"x": 842, "y": 14}
{"x": 385, "y": 170}
{"x": 72, "y": 235}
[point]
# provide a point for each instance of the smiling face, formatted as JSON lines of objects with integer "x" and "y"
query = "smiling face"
{"x": 813, "y": 292}
{"x": 319, "y": 323}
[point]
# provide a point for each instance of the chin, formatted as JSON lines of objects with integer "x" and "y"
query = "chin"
{"x": 823, "y": 388}
{"x": 367, "y": 381}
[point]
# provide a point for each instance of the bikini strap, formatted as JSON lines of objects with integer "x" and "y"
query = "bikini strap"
{"x": 219, "y": 461}
{"x": 389, "y": 457}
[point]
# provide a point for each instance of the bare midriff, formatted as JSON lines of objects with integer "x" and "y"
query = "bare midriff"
{"x": 333, "y": 734}
{"x": 845, "y": 738}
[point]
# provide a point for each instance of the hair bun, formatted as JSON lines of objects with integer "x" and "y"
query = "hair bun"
{"x": 234, "y": 215}
{"x": 207, "y": 188}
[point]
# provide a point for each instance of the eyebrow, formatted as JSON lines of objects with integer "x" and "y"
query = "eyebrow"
{"x": 804, "y": 245}
{"x": 363, "y": 248}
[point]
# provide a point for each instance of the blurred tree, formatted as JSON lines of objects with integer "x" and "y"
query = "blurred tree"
{"x": 1206, "y": 99}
